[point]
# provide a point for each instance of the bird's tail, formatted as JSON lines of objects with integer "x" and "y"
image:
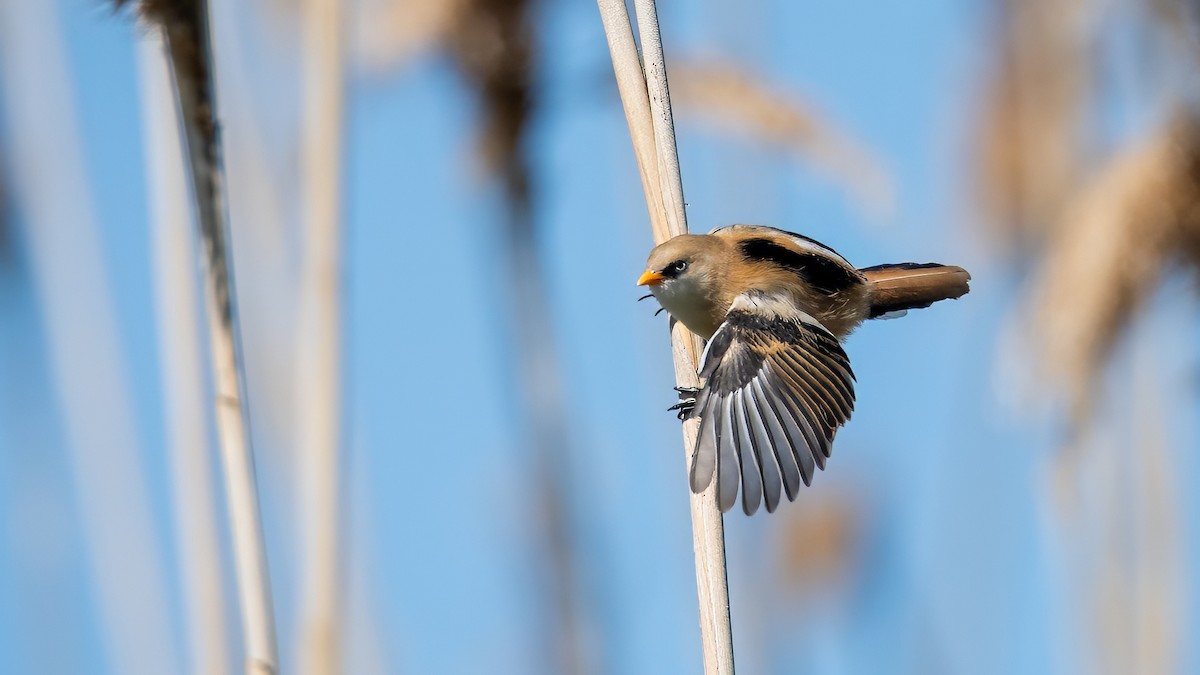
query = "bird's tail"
{"x": 903, "y": 286}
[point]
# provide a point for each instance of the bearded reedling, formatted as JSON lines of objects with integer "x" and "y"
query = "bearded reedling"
{"x": 774, "y": 306}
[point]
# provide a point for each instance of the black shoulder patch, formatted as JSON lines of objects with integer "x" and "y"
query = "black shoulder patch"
{"x": 797, "y": 235}
{"x": 820, "y": 272}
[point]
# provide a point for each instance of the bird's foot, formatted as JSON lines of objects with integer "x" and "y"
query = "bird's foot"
{"x": 687, "y": 402}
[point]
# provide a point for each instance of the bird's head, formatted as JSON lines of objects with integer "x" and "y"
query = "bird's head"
{"x": 684, "y": 274}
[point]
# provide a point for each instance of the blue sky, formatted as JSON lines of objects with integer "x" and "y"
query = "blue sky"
{"x": 955, "y": 569}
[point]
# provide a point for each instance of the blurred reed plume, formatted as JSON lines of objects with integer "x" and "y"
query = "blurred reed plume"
{"x": 717, "y": 95}
{"x": 393, "y": 32}
{"x": 1031, "y": 132}
{"x": 820, "y": 541}
{"x": 185, "y": 25}
{"x": 1101, "y": 241}
{"x": 734, "y": 100}
{"x": 1135, "y": 221}
{"x": 1103, "y": 238}
{"x": 492, "y": 43}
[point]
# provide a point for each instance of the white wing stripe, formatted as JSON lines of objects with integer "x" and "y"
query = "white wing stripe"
{"x": 764, "y": 450}
{"x": 728, "y": 468}
{"x": 752, "y": 477}
{"x": 785, "y": 447}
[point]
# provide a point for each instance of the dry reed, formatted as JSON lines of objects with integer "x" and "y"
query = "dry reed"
{"x": 193, "y": 490}
{"x": 185, "y": 23}
{"x": 648, "y": 111}
{"x": 318, "y": 355}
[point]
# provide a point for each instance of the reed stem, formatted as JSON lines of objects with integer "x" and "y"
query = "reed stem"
{"x": 647, "y": 106}
{"x": 188, "y": 439}
{"x": 318, "y": 380}
{"x": 189, "y": 48}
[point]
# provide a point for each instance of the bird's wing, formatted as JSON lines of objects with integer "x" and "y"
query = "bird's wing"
{"x": 777, "y": 387}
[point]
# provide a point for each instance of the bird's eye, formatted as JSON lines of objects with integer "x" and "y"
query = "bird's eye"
{"x": 679, "y": 266}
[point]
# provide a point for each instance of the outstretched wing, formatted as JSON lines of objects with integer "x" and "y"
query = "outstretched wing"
{"x": 778, "y": 386}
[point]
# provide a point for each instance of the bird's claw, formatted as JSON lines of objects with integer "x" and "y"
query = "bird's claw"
{"x": 685, "y": 408}
{"x": 687, "y": 402}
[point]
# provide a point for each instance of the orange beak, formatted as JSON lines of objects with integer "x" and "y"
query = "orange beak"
{"x": 649, "y": 278}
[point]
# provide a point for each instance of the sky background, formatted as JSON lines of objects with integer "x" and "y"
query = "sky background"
{"x": 958, "y": 559}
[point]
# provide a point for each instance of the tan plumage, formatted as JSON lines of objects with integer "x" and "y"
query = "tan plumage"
{"x": 774, "y": 306}
{"x": 908, "y": 286}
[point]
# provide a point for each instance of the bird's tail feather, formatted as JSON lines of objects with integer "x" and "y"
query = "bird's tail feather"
{"x": 905, "y": 286}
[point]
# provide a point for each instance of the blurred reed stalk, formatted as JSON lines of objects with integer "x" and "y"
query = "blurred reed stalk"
{"x": 66, "y": 252}
{"x": 493, "y": 43}
{"x": 197, "y": 535}
{"x": 1159, "y": 564}
{"x": 5, "y": 215}
{"x": 648, "y": 111}
{"x": 318, "y": 355}
{"x": 185, "y": 23}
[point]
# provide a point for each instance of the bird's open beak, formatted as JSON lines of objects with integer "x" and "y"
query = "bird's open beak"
{"x": 649, "y": 278}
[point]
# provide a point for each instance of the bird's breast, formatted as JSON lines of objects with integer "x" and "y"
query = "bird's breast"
{"x": 701, "y": 316}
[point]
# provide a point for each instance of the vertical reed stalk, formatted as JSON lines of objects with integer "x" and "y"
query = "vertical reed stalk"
{"x": 318, "y": 381}
{"x": 186, "y": 26}
{"x": 75, "y": 300}
{"x": 651, "y": 125}
{"x": 182, "y": 363}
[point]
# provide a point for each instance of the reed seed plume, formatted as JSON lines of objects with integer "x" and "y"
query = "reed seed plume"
{"x": 1125, "y": 229}
{"x": 393, "y": 32}
{"x": 820, "y": 541}
{"x": 735, "y": 100}
{"x": 185, "y": 25}
{"x": 1030, "y": 140}
{"x": 492, "y": 43}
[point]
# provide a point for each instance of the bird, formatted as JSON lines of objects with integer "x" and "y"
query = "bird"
{"x": 774, "y": 307}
